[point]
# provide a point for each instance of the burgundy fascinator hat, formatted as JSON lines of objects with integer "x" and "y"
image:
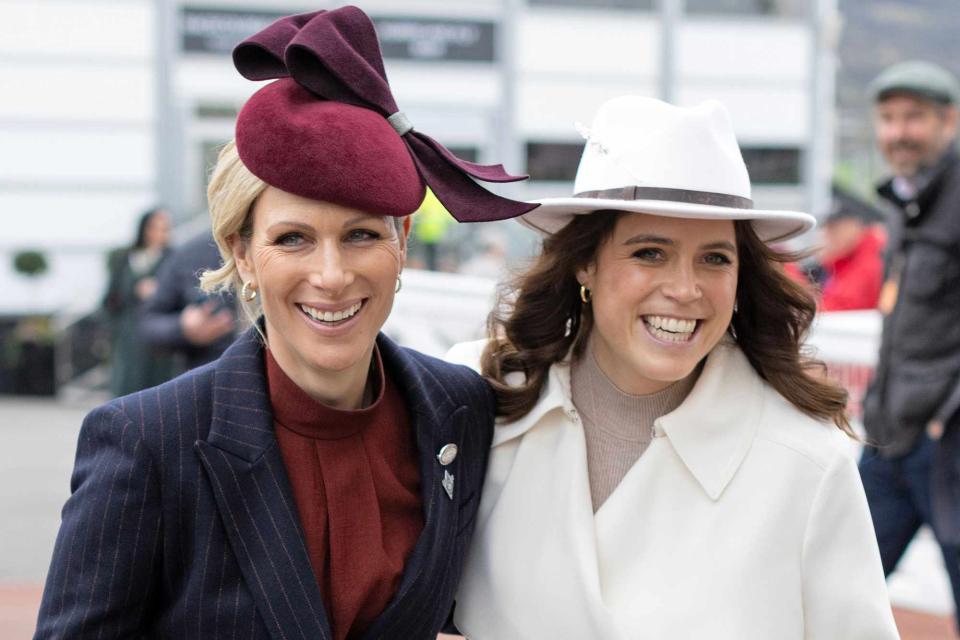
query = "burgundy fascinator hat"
{"x": 329, "y": 129}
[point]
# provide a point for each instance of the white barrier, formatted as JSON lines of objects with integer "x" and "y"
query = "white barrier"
{"x": 435, "y": 310}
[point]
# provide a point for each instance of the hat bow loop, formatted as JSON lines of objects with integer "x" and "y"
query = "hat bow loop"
{"x": 336, "y": 56}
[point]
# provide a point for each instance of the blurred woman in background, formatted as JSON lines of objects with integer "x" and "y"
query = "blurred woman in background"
{"x": 132, "y": 279}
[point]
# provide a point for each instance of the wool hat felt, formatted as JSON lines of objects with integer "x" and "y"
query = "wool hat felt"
{"x": 646, "y": 156}
{"x": 329, "y": 129}
{"x": 919, "y": 78}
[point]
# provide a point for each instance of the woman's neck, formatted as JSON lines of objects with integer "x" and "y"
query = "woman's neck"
{"x": 346, "y": 389}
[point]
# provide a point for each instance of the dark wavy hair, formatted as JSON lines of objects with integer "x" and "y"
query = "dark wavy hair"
{"x": 140, "y": 239}
{"x": 539, "y": 318}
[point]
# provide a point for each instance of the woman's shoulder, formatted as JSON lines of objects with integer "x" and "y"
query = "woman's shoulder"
{"x": 793, "y": 433}
{"x": 461, "y": 381}
{"x": 467, "y": 354}
{"x": 818, "y": 441}
{"x": 164, "y": 411}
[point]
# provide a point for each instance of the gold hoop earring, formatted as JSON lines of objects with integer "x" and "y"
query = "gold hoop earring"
{"x": 247, "y": 292}
{"x": 399, "y": 285}
{"x": 585, "y": 294}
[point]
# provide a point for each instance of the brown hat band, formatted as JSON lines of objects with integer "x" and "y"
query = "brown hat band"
{"x": 686, "y": 196}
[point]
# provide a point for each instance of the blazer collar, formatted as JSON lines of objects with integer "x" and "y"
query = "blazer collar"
{"x": 240, "y": 395}
{"x": 711, "y": 431}
{"x": 242, "y": 420}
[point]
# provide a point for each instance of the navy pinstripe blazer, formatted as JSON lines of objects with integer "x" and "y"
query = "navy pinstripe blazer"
{"x": 182, "y": 522}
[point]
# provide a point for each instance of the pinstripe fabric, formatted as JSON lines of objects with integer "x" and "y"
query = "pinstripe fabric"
{"x": 182, "y": 523}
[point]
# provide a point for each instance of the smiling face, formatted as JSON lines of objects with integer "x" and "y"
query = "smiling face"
{"x": 325, "y": 275}
{"x": 913, "y": 132}
{"x": 663, "y": 291}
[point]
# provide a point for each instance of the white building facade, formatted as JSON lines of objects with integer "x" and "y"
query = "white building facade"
{"x": 111, "y": 106}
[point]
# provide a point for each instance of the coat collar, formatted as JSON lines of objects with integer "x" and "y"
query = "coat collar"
{"x": 711, "y": 431}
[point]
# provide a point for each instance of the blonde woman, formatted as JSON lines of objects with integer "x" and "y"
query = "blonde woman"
{"x": 317, "y": 480}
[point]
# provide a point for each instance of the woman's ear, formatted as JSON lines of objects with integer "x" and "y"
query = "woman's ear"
{"x": 406, "y": 225}
{"x": 585, "y": 275}
{"x": 241, "y": 257}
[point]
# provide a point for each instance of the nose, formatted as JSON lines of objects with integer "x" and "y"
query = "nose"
{"x": 894, "y": 130}
{"x": 681, "y": 285}
{"x": 330, "y": 272}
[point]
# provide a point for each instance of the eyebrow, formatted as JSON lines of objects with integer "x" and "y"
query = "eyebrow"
{"x": 648, "y": 239}
{"x": 362, "y": 217}
{"x": 290, "y": 223}
{"x": 651, "y": 239}
{"x": 722, "y": 244}
{"x": 306, "y": 227}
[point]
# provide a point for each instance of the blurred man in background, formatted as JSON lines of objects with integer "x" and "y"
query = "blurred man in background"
{"x": 911, "y": 466}
{"x": 182, "y": 319}
{"x": 852, "y": 256}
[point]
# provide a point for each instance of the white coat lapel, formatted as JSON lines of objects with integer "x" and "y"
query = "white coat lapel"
{"x": 541, "y": 520}
{"x": 713, "y": 429}
{"x": 695, "y": 453}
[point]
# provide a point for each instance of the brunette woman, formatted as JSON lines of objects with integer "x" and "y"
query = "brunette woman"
{"x": 132, "y": 280}
{"x": 669, "y": 464}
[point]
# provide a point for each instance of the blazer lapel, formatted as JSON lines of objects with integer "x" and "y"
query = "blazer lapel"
{"x": 436, "y": 421}
{"x": 253, "y": 496}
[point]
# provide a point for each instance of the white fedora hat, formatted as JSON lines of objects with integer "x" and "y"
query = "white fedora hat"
{"x": 644, "y": 155}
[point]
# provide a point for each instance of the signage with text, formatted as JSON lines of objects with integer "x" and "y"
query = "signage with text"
{"x": 219, "y": 30}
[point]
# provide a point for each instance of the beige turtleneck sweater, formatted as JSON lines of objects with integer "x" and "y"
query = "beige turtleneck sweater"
{"x": 617, "y": 426}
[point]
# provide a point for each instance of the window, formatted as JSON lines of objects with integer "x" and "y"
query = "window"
{"x": 553, "y": 160}
{"x": 595, "y": 4}
{"x": 773, "y": 165}
{"x": 470, "y": 154}
{"x": 788, "y": 8}
{"x": 216, "y": 112}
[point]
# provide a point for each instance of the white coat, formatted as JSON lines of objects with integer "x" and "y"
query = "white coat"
{"x": 743, "y": 520}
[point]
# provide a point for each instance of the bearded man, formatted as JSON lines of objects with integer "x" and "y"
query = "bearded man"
{"x": 911, "y": 466}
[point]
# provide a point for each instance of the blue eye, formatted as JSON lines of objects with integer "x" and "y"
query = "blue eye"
{"x": 718, "y": 259}
{"x": 648, "y": 254}
{"x": 361, "y": 235}
{"x": 291, "y": 239}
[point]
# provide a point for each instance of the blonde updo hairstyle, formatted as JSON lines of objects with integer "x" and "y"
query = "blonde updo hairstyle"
{"x": 230, "y": 197}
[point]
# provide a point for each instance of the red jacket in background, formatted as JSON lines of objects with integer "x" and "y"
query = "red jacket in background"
{"x": 854, "y": 280}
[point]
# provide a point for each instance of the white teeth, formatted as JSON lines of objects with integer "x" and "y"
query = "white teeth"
{"x": 670, "y": 329}
{"x": 331, "y": 316}
{"x": 669, "y": 326}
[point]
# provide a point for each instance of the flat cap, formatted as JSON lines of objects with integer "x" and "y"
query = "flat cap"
{"x": 917, "y": 77}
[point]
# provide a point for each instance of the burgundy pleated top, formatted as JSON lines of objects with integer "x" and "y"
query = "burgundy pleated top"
{"x": 356, "y": 481}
